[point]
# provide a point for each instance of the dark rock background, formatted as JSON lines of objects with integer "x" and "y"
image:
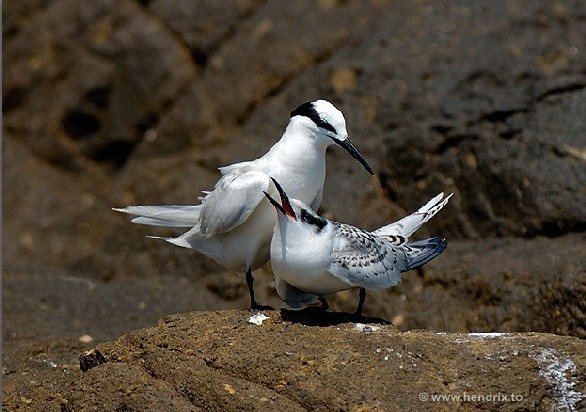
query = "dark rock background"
{"x": 109, "y": 103}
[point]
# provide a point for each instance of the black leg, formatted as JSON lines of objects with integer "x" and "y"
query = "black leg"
{"x": 250, "y": 283}
{"x": 324, "y": 304}
{"x": 360, "y": 302}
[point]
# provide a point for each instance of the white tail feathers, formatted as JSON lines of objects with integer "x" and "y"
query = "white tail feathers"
{"x": 178, "y": 241}
{"x": 409, "y": 224}
{"x": 169, "y": 216}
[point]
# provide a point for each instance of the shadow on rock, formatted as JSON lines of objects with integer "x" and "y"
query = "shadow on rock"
{"x": 315, "y": 316}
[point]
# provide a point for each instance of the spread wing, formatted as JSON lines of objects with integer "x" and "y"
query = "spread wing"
{"x": 232, "y": 201}
{"x": 362, "y": 259}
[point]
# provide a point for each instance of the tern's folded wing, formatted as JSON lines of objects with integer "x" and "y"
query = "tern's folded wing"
{"x": 232, "y": 201}
{"x": 361, "y": 259}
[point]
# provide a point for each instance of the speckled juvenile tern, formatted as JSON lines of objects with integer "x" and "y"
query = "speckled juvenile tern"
{"x": 234, "y": 223}
{"x": 312, "y": 256}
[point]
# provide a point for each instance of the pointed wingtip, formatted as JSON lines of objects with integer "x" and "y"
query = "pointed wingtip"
{"x": 177, "y": 241}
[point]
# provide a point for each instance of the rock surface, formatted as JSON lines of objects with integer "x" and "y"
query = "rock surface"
{"x": 308, "y": 360}
{"x": 108, "y": 103}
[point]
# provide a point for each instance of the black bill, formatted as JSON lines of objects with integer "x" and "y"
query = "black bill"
{"x": 285, "y": 208}
{"x": 355, "y": 153}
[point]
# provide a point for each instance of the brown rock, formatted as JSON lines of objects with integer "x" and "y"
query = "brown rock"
{"x": 219, "y": 361}
{"x": 91, "y": 359}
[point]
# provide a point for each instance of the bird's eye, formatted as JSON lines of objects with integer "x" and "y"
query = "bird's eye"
{"x": 326, "y": 125}
{"x": 307, "y": 217}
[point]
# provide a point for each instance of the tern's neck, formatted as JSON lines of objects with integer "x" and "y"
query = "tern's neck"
{"x": 300, "y": 145}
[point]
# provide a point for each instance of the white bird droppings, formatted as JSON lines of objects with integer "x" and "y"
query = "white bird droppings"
{"x": 361, "y": 327}
{"x": 258, "y": 319}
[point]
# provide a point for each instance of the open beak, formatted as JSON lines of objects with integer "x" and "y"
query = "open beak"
{"x": 285, "y": 208}
{"x": 350, "y": 148}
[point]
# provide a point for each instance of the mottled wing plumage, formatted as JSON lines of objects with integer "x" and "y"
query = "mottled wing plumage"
{"x": 232, "y": 201}
{"x": 405, "y": 227}
{"x": 362, "y": 259}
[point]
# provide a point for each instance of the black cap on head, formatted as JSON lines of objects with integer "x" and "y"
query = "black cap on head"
{"x": 308, "y": 110}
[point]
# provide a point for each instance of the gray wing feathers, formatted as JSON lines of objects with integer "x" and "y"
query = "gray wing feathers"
{"x": 239, "y": 167}
{"x": 409, "y": 224}
{"x": 361, "y": 259}
{"x": 232, "y": 201}
{"x": 170, "y": 216}
{"x": 420, "y": 252}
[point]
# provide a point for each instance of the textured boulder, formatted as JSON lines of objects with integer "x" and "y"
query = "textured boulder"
{"x": 307, "y": 360}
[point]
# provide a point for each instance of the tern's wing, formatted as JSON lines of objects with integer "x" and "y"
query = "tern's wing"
{"x": 316, "y": 202}
{"x": 362, "y": 259}
{"x": 232, "y": 201}
{"x": 420, "y": 252}
{"x": 409, "y": 224}
{"x": 239, "y": 167}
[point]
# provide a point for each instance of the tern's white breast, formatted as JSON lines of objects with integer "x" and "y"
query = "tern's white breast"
{"x": 301, "y": 257}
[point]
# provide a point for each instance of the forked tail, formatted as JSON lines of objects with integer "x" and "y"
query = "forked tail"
{"x": 409, "y": 224}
